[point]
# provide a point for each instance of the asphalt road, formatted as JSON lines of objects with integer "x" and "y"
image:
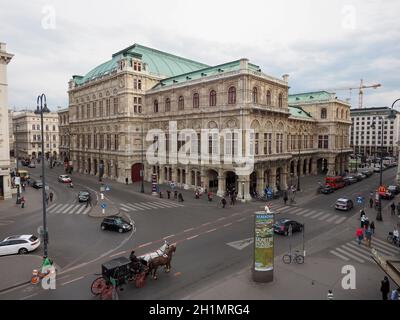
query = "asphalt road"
{"x": 200, "y": 229}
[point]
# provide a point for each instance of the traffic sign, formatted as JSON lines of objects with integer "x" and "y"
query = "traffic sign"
{"x": 360, "y": 200}
{"x": 103, "y": 205}
{"x": 108, "y": 188}
{"x": 17, "y": 181}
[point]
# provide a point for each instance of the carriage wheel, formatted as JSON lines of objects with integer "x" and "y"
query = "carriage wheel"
{"x": 107, "y": 293}
{"x": 140, "y": 280}
{"x": 98, "y": 286}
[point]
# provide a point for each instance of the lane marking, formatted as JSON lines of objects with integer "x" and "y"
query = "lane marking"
{"x": 87, "y": 210}
{"x": 310, "y": 213}
{"x": 223, "y": 218}
{"x": 190, "y": 238}
{"x": 79, "y": 211}
{"x": 331, "y": 219}
{"x": 324, "y": 217}
{"x": 206, "y": 224}
{"x": 339, "y": 255}
{"x": 145, "y": 244}
{"x": 240, "y": 220}
{"x": 63, "y": 284}
{"x": 146, "y": 205}
{"x": 228, "y": 224}
{"x": 187, "y": 230}
{"x": 128, "y": 207}
{"x": 117, "y": 254}
{"x": 172, "y": 235}
{"x": 350, "y": 255}
{"x": 386, "y": 249}
{"x": 126, "y": 210}
{"x": 160, "y": 205}
{"x": 317, "y": 215}
{"x": 340, "y": 220}
{"x": 67, "y": 209}
{"x": 74, "y": 208}
{"x": 357, "y": 253}
{"x": 52, "y": 206}
{"x": 211, "y": 230}
{"x": 59, "y": 210}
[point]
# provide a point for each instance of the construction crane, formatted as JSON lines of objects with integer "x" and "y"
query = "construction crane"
{"x": 360, "y": 91}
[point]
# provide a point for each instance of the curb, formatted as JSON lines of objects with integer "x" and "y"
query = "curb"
{"x": 14, "y": 286}
{"x": 96, "y": 212}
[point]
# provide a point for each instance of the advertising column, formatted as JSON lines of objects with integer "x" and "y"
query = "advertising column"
{"x": 263, "y": 266}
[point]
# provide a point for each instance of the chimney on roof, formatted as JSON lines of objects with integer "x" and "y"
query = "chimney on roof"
{"x": 244, "y": 63}
{"x": 285, "y": 77}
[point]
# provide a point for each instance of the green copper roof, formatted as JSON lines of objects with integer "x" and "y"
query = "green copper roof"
{"x": 205, "y": 72}
{"x": 157, "y": 63}
{"x": 299, "y": 112}
{"x": 309, "y": 97}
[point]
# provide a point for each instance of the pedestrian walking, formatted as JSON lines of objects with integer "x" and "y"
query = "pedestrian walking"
{"x": 23, "y": 186}
{"x": 362, "y": 213}
{"x": 232, "y": 200}
{"x": 175, "y": 194}
{"x": 372, "y": 227}
{"x": 368, "y": 237}
{"x": 23, "y": 202}
{"x": 126, "y": 180}
{"x": 329, "y": 296}
{"x": 363, "y": 218}
{"x": 285, "y": 198}
{"x": 366, "y": 223}
{"x": 223, "y": 202}
{"x": 169, "y": 194}
{"x": 385, "y": 288}
{"x": 360, "y": 235}
{"x": 393, "y": 209}
{"x": 161, "y": 195}
{"x": 395, "y": 294}
{"x": 180, "y": 197}
{"x": 371, "y": 202}
{"x": 51, "y": 196}
{"x": 210, "y": 196}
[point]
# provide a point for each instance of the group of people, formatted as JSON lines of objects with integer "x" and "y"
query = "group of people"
{"x": 366, "y": 230}
{"x": 177, "y": 195}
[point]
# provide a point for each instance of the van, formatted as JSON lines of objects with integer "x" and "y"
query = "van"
{"x": 24, "y": 174}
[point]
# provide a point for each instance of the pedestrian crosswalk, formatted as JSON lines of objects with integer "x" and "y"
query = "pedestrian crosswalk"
{"x": 148, "y": 205}
{"x": 361, "y": 253}
{"x": 317, "y": 215}
{"x": 68, "y": 208}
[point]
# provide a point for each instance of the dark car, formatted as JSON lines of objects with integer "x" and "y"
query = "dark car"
{"x": 327, "y": 190}
{"x": 350, "y": 179}
{"x": 83, "y": 196}
{"x": 115, "y": 223}
{"x": 37, "y": 184}
{"x": 344, "y": 204}
{"x": 387, "y": 195}
{"x": 394, "y": 189}
{"x": 282, "y": 226}
{"x": 360, "y": 176}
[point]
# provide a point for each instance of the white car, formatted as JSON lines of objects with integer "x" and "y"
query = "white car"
{"x": 64, "y": 178}
{"x": 19, "y": 244}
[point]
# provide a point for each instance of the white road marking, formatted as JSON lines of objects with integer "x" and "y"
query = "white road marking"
{"x": 128, "y": 207}
{"x": 117, "y": 254}
{"x": 74, "y": 208}
{"x": 61, "y": 208}
{"x": 52, "y": 206}
{"x": 210, "y": 230}
{"x": 339, "y": 255}
{"x": 136, "y": 206}
{"x": 160, "y": 205}
{"x": 172, "y": 235}
{"x": 316, "y": 215}
{"x": 386, "y": 245}
{"x": 68, "y": 208}
{"x": 206, "y": 224}
{"x": 228, "y": 224}
{"x": 187, "y": 230}
{"x": 349, "y": 247}
{"x": 79, "y": 211}
{"x": 349, "y": 254}
{"x": 301, "y": 212}
{"x": 190, "y": 238}
{"x": 310, "y": 213}
{"x": 126, "y": 210}
{"x": 324, "y": 217}
{"x": 63, "y": 284}
{"x": 340, "y": 220}
{"x": 87, "y": 210}
{"x": 380, "y": 247}
{"x": 240, "y": 220}
{"x": 331, "y": 219}
{"x": 223, "y": 218}
{"x": 150, "y": 205}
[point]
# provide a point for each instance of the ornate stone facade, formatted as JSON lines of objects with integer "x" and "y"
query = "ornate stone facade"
{"x": 293, "y": 135}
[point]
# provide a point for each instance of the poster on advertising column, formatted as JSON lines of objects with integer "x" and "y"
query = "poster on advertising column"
{"x": 263, "y": 247}
{"x": 154, "y": 184}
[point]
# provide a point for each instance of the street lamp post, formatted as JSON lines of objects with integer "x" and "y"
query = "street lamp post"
{"x": 299, "y": 172}
{"x": 142, "y": 173}
{"x": 16, "y": 174}
{"x": 41, "y": 109}
{"x": 379, "y": 213}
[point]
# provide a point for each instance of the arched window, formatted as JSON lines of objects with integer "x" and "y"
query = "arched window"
{"x": 347, "y": 114}
{"x": 341, "y": 114}
{"x": 196, "y": 100}
{"x": 167, "y": 105}
{"x": 280, "y": 101}
{"x": 47, "y": 127}
{"x": 323, "y": 113}
{"x": 255, "y": 95}
{"x": 268, "y": 98}
{"x": 155, "y": 106}
{"x": 337, "y": 113}
{"x": 232, "y": 95}
{"x": 139, "y": 84}
{"x": 181, "y": 103}
{"x": 213, "y": 98}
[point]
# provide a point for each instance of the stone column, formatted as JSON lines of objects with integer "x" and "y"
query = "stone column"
{"x": 204, "y": 181}
{"x": 221, "y": 184}
{"x": 331, "y": 166}
{"x": 273, "y": 178}
{"x": 260, "y": 181}
{"x": 307, "y": 162}
{"x": 314, "y": 169}
{"x": 243, "y": 189}
{"x": 161, "y": 178}
{"x": 284, "y": 177}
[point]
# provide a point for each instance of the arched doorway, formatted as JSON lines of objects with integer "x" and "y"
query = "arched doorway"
{"x": 253, "y": 182}
{"x": 170, "y": 174}
{"x": 165, "y": 173}
{"x": 95, "y": 167}
{"x": 33, "y": 155}
{"x": 198, "y": 179}
{"x": 231, "y": 181}
{"x": 278, "y": 178}
{"x": 193, "y": 178}
{"x": 89, "y": 165}
{"x": 292, "y": 168}
{"x": 310, "y": 166}
{"x": 305, "y": 166}
{"x": 266, "y": 178}
{"x": 212, "y": 180}
{"x": 322, "y": 166}
{"x": 135, "y": 172}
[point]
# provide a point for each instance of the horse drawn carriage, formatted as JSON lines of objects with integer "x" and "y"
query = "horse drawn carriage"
{"x": 120, "y": 271}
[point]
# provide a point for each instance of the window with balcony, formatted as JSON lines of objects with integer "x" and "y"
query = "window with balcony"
{"x": 155, "y": 106}
{"x": 213, "y": 98}
{"x": 167, "y": 105}
{"x": 267, "y": 143}
{"x": 255, "y": 95}
{"x": 324, "y": 113}
{"x": 196, "y": 101}
{"x": 268, "y": 98}
{"x": 232, "y": 95}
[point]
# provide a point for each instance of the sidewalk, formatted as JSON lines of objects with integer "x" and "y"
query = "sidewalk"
{"x": 33, "y": 202}
{"x": 17, "y": 270}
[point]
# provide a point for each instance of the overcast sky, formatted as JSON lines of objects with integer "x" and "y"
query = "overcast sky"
{"x": 320, "y": 44}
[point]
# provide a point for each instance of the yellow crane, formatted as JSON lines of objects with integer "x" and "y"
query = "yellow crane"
{"x": 360, "y": 91}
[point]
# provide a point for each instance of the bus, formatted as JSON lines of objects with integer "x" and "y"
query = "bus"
{"x": 335, "y": 182}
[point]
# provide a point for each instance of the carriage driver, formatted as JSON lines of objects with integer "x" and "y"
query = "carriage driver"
{"x": 135, "y": 262}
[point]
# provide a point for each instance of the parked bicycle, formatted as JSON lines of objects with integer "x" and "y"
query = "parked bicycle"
{"x": 293, "y": 257}
{"x": 391, "y": 239}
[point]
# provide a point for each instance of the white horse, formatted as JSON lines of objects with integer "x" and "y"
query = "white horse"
{"x": 158, "y": 253}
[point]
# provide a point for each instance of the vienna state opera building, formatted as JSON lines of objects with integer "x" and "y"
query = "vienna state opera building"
{"x": 113, "y": 107}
